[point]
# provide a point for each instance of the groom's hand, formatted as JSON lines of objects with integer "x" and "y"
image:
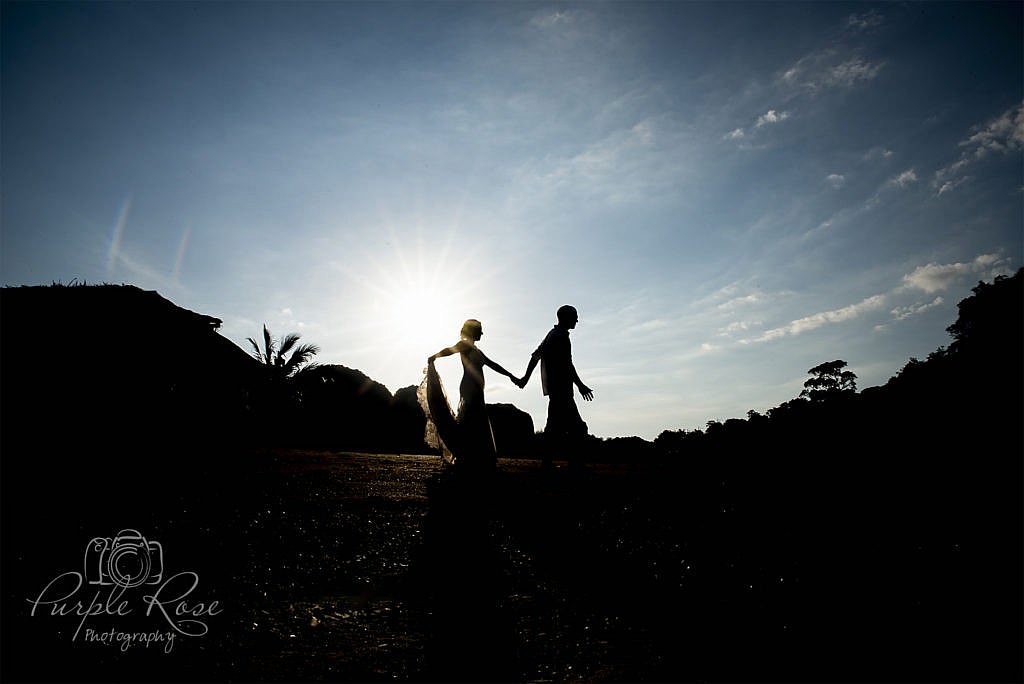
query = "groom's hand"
{"x": 587, "y": 393}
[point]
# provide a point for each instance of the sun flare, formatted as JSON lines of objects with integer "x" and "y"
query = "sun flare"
{"x": 422, "y": 318}
{"x": 418, "y": 311}
{"x": 417, "y": 295}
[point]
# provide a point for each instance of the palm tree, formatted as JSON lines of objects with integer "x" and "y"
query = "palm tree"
{"x": 273, "y": 354}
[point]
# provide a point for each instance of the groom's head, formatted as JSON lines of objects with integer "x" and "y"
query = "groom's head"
{"x": 567, "y": 316}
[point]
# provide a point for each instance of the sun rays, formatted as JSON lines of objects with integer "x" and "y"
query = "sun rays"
{"x": 417, "y": 285}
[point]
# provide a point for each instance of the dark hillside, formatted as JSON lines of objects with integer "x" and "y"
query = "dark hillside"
{"x": 114, "y": 366}
{"x": 119, "y": 368}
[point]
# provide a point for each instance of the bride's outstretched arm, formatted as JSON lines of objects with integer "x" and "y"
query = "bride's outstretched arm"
{"x": 447, "y": 351}
{"x": 501, "y": 370}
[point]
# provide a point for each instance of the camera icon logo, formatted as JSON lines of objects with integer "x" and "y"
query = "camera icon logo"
{"x": 127, "y": 560}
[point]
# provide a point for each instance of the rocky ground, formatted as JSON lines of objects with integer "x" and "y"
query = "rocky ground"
{"x": 366, "y": 567}
{"x": 356, "y": 567}
{"x": 335, "y": 566}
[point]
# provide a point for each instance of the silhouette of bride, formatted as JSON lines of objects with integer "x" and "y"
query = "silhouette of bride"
{"x": 465, "y": 438}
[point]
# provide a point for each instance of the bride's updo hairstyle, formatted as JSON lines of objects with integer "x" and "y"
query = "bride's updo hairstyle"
{"x": 472, "y": 329}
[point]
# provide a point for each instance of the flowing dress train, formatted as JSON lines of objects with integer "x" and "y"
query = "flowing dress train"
{"x": 465, "y": 439}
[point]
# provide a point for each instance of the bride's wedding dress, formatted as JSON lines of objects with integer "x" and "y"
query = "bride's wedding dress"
{"x": 465, "y": 438}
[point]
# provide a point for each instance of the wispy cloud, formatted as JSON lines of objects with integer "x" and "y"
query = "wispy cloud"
{"x": 738, "y": 327}
{"x": 829, "y": 68}
{"x": 745, "y": 300}
{"x": 771, "y": 117}
{"x": 951, "y": 185}
{"x": 734, "y": 296}
{"x": 768, "y": 118}
{"x": 850, "y": 73}
{"x": 900, "y": 181}
{"x": 908, "y": 177}
{"x": 935, "y": 277}
{"x": 930, "y": 278}
{"x": 864, "y": 21}
{"x": 627, "y": 164}
{"x": 814, "y": 321}
{"x": 845, "y": 215}
{"x": 903, "y": 312}
{"x": 836, "y": 180}
{"x": 1002, "y": 135}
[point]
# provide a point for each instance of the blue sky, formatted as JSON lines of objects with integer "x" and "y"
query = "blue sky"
{"x": 730, "y": 193}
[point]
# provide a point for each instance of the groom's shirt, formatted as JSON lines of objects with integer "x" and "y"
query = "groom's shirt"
{"x": 556, "y": 362}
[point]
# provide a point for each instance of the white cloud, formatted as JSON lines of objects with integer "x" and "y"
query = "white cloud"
{"x": 836, "y": 315}
{"x": 828, "y": 68}
{"x": 746, "y": 300}
{"x": 736, "y": 295}
{"x": 847, "y": 214}
{"x": 951, "y": 185}
{"x": 1002, "y": 135}
{"x": 814, "y": 321}
{"x": 903, "y": 312}
{"x": 771, "y": 117}
{"x": 899, "y": 181}
{"x": 904, "y": 179}
{"x": 935, "y": 277}
{"x": 930, "y": 278}
{"x": 850, "y": 73}
{"x": 738, "y": 326}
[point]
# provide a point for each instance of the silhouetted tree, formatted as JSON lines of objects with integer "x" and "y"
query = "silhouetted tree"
{"x": 990, "y": 319}
{"x": 274, "y": 351}
{"x": 277, "y": 401}
{"x": 829, "y": 381}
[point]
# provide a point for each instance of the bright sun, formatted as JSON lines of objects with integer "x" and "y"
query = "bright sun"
{"x": 417, "y": 298}
{"x": 422, "y": 318}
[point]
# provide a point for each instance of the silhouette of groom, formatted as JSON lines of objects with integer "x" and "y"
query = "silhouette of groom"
{"x": 565, "y": 428}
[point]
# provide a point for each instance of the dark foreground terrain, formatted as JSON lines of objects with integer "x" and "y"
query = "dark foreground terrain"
{"x": 325, "y": 566}
{"x": 340, "y": 566}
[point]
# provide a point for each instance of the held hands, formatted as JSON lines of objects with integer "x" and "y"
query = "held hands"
{"x": 519, "y": 382}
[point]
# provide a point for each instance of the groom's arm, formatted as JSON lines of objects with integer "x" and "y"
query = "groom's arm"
{"x": 532, "y": 364}
{"x": 585, "y": 391}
